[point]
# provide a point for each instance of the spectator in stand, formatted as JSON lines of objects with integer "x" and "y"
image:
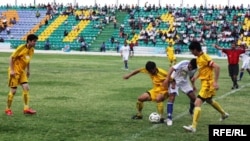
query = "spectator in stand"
{"x": 46, "y": 22}
{"x": 47, "y": 45}
{"x": 66, "y": 48}
{"x": 1, "y": 39}
{"x": 115, "y": 23}
{"x": 65, "y": 33}
{"x": 8, "y": 30}
{"x": 131, "y": 48}
{"x": 38, "y": 14}
{"x": 112, "y": 40}
{"x": 83, "y": 45}
{"x": 13, "y": 20}
{"x": 103, "y": 47}
{"x": 118, "y": 46}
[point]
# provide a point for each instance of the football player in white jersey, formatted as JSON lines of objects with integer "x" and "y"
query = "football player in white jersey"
{"x": 125, "y": 50}
{"x": 179, "y": 77}
{"x": 245, "y": 64}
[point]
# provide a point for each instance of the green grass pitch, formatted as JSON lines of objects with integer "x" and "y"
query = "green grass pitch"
{"x": 84, "y": 98}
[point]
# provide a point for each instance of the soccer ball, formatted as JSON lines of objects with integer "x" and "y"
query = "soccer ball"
{"x": 154, "y": 117}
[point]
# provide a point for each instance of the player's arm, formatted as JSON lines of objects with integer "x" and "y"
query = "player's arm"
{"x": 11, "y": 64}
{"x": 28, "y": 70}
{"x": 218, "y": 47}
{"x": 127, "y": 76}
{"x": 216, "y": 68}
{"x": 168, "y": 77}
{"x": 192, "y": 79}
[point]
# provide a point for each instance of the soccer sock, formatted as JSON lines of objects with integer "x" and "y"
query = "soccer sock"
{"x": 191, "y": 108}
{"x": 175, "y": 62}
{"x": 160, "y": 108}
{"x": 170, "y": 110}
{"x": 241, "y": 74}
{"x": 248, "y": 70}
{"x": 26, "y": 99}
{"x": 235, "y": 80}
{"x": 9, "y": 100}
{"x": 196, "y": 116}
{"x": 126, "y": 64}
{"x": 217, "y": 107}
{"x": 139, "y": 107}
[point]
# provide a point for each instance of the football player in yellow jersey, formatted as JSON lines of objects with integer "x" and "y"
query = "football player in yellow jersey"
{"x": 18, "y": 73}
{"x": 157, "y": 94}
{"x": 208, "y": 73}
{"x": 170, "y": 54}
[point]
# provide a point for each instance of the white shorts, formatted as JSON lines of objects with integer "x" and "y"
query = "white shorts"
{"x": 185, "y": 87}
{"x": 245, "y": 65}
{"x": 125, "y": 57}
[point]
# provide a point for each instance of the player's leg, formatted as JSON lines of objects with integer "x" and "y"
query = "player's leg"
{"x": 139, "y": 105}
{"x": 13, "y": 83}
{"x": 173, "y": 91}
{"x": 126, "y": 61}
{"x": 218, "y": 107}
{"x": 243, "y": 67}
{"x": 248, "y": 70}
{"x": 187, "y": 89}
{"x": 197, "y": 109}
{"x": 160, "y": 105}
{"x": 235, "y": 75}
{"x": 232, "y": 72}
{"x": 126, "y": 64}
{"x": 25, "y": 95}
{"x": 10, "y": 98}
{"x": 241, "y": 74}
{"x": 170, "y": 108}
{"x": 192, "y": 98}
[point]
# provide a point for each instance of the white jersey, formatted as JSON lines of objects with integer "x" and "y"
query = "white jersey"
{"x": 245, "y": 60}
{"x": 181, "y": 72}
{"x": 125, "y": 52}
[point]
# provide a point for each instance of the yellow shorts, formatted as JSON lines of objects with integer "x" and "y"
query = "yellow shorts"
{"x": 171, "y": 58}
{"x": 157, "y": 91}
{"x": 207, "y": 89}
{"x": 17, "y": 80}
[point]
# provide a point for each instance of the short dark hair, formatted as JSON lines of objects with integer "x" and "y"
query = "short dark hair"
{"x": 193, "y": 63}
{"x": 31, "y": 37}
{"x": 150, "y": 65}
{"x": 195, "y": 45}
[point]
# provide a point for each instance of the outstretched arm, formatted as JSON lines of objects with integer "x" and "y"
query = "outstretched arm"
{"x": 218, "y": 47}
{"x": 127, "y": 76}
{"x": 193, "y": 78}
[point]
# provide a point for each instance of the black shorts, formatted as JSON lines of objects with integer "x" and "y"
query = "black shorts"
{"x": 233, "y": 69}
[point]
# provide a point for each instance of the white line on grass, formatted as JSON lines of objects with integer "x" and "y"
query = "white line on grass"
{"x": 136, "y": 135}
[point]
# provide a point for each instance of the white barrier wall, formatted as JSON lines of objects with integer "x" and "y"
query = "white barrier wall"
{"x": 149, "y": 50}
{"x": 5, "y": 46}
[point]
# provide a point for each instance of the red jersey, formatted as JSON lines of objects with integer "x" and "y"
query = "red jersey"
{"x": 233, "y": 55}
